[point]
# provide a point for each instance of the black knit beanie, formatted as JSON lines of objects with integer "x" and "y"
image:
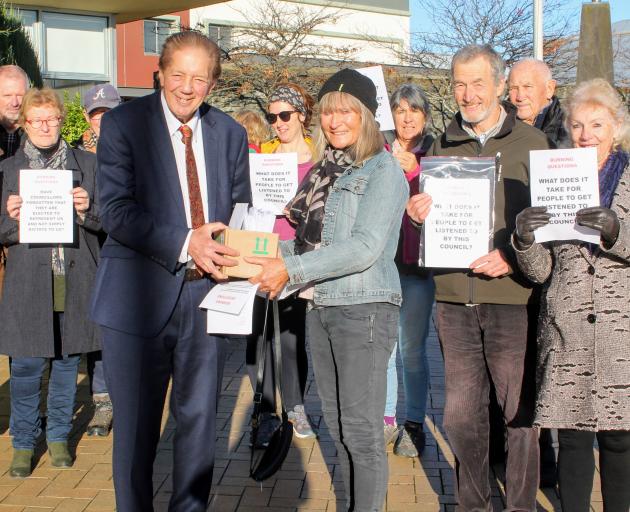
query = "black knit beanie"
{"x": 354, "y": 83}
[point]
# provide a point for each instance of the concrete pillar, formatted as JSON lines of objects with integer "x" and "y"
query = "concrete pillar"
{"x": 595, "y": 54}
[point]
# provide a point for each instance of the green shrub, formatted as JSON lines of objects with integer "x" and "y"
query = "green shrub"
{"x": 75, "y": 123}
{"x": 15, "y": 46}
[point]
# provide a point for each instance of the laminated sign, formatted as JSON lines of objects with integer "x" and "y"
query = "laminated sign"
{"x": 459, "y": 227}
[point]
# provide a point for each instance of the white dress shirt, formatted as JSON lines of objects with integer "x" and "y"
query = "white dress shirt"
{"x": 179, "y": 149}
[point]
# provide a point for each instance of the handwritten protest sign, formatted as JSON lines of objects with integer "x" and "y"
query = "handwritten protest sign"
{"x": 274, "y": 180}
{"x": 384, "y": 111}
{"x": 565, "y": 181}
{"x": 47, "y": 213}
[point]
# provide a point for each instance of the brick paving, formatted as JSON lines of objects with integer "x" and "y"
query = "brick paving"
{"x": 309, "y": 479}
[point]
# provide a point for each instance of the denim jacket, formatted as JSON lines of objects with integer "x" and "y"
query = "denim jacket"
{"x": 355, "y": 262}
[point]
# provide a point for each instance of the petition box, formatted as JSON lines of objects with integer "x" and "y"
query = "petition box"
{"x": 248, "y": 243}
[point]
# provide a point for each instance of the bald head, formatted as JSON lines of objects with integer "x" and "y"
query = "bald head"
{"x": 13, "y": 86}
{"x": 530, "y": 88}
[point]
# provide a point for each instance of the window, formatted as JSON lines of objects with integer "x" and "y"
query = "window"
{"x": 222, "y": 35}
{"x": 29, "y": 18}
{"x": 155, "y": 33}
{"x": 81, "y": 37}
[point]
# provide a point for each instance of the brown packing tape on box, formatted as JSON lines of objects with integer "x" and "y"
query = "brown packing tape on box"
{"x": 248, "y": 243}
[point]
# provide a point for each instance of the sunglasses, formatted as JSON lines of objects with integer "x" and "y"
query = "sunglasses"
{"x": 284, "y": 116}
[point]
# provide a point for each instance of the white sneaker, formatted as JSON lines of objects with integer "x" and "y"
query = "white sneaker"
{"x": 301, "y": 426}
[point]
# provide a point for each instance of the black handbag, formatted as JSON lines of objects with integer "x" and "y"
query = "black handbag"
{"x": 266, "y": 461}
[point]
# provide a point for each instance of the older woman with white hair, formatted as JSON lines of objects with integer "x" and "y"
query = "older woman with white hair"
{"x": 583, "y": 375}
{"x": 411, "y": 112}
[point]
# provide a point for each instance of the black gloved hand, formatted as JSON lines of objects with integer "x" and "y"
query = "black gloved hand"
{"x": 603, "y": 220}
{"x": 527, "y": 222}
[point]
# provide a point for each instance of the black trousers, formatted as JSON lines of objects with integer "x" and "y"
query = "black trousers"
{"x": 293, "y": 344}
{"x": 138, "y": 371}
{"x": 486, "y": 345}
{"x": 576, "y": 467}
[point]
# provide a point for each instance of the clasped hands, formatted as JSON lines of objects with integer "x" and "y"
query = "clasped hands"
{"x": 80, "y": 199}
{"x": 209, "y": 255}
{"x": 600, "y": 219}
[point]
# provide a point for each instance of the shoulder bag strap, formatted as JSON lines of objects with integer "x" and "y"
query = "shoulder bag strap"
{"x": 277, "y": 356}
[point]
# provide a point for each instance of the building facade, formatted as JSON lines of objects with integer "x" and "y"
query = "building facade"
{"x": 375, "y": 31}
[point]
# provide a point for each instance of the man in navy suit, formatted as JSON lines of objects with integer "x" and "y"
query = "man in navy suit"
{"x": 170, "y": 170}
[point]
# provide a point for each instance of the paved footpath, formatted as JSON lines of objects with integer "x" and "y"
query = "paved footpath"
{"x": 309, "y": 479}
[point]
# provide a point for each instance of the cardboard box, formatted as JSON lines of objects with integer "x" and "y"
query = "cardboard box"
{"x": 248, "y": 243}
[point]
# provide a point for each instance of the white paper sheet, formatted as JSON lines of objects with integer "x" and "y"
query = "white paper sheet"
{"x": 457, "y": 228}
{"x": 238, "y": 215}
{"x": 565, "y": 181}
{"x": 47, "y": 213}
{"x": 274, "y": 180}
{"x": 384, "y": 111}
{"x": 230, "y": 307}
{"x": 259, "y": 220}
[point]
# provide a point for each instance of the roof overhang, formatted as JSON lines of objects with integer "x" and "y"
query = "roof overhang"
{"x": 123, "y": 10}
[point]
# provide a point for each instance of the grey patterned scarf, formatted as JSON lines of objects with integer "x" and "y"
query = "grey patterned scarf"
{"x": 289, "y": 95}
{"x": 53, "y": 158}
{"x": 306, "y": 209}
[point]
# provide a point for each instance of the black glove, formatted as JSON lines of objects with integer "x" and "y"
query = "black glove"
{"x": 527, "y": 222}
{"x": 603, "y": 220}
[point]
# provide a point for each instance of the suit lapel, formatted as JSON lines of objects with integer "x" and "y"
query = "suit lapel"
{"x": 163, "y": 148}
{"x": 210, "y": 152}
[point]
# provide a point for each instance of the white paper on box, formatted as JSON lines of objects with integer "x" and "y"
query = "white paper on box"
{"x": 565, "y": 181}
{"x": 47, "y": 213}
{"x": 384, "y": 111}
{"x": 230, "y": 307}
{"x": 456, "y": 229}
{"x": 274, "y": 180}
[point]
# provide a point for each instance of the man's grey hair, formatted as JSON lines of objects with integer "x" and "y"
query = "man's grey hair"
{"x": 541, "y": 67}
{"x": 472, "y": 51}
{"x": 13, "y": 71}
{"x": 415, "y": 97}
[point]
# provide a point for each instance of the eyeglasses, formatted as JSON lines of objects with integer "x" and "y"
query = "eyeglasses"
{"x": 284, "y": 116}
{"x": 51, "y": 123}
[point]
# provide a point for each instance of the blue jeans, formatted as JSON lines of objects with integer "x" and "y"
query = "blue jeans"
{"x": 26, "y": 386}
{"x": 98, "y": 386}
{"x": 415, "y": 314}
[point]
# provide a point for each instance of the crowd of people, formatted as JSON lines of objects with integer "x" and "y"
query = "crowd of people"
{"x": 544, "y": 325}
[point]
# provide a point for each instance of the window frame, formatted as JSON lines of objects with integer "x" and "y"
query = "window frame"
{"x": 174, "y": 22}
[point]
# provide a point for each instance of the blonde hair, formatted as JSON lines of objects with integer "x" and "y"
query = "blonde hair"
{"x": 370, "y": 141}
{"x": 255, "y": 126}
{"x": 39, "y": 98}
{"x": 598, "y": 92}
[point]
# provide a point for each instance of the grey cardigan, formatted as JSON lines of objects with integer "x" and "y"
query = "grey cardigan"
{"x": 583, "y": 371}
{"x": 26, "y": 309}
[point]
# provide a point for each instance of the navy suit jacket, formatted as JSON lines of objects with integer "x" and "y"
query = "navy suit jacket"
{"x": 139, "y": 278}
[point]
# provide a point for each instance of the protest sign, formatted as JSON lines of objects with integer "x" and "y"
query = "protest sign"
{"x": 274, "y": 180}
{"x": 47, "y": 213}
{"x": 565, "y": 181}
{"x": 458, "y": 229}
{"x": 384, "y": 111}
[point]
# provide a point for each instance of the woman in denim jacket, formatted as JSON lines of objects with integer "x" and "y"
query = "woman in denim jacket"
{"x": 347, "y": 213}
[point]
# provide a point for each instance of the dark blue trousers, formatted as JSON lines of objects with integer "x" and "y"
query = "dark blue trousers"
{"x": 137, "y": 371}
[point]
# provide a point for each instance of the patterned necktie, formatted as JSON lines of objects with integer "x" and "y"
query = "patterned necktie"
{"x": 194, "y": 192}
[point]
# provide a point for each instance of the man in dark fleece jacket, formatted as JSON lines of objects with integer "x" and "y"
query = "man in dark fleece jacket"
{"x": 482, "y": 314}
{"x": 531, "y": 89}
